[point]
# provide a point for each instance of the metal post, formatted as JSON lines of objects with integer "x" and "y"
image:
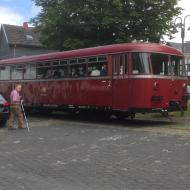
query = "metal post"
{"x": 182, "y": 38}
{"x": 182, "y": 26}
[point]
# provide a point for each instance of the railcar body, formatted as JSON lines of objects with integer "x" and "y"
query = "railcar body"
{"x": 122, "y": 78}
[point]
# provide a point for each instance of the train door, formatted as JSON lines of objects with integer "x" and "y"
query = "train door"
{"x": 120, "y": 81}
{"x": 44, "y": 76}
{"x": 96, "y": 90}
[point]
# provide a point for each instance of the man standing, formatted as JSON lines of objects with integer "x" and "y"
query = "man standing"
{"x": 16, "y": 109}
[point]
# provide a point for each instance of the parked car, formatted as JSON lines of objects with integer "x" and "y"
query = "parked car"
{"x": 4, "y": 110}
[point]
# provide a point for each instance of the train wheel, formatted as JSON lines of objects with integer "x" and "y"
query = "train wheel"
{"x": 165, "y": 114}
{"x": 121, "y": 116}
{"x": 75, "y": 110}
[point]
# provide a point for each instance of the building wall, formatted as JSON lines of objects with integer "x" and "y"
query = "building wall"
{"x": 26, "y": 51}
{"x": 4, "y": 47}
{"x": 9, "y": 51}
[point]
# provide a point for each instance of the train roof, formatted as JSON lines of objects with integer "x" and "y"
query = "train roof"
{"x": 100, "y": 50}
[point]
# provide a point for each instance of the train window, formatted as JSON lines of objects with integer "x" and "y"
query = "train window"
{"x": 120, "y": 64}
{"x": 94, "y": 69}
{"x": 64, "y": 62}
{"x": 82, "y": 70}
{"x": 44, "y": 73}
{"x": 55, "y": 63}
{"x": 46, "y": 64}
{"x": 177, "y": 66}
{"x": 77, "y": 70}
{"x": 97, "y": 69}
{"x": 43, "y": 64}
{"x": 104, "y": 69}
{"x": 97, "y": 66}
{"x": 73, "y": 61}
{"x": 160, "y": 64}
{"x": 92, "y": 59}
{"x": 5, "y": 72}
{"x": 82, "y": 60}
{"x": 20, "y": 67}
{"x": 43, "y": 70}
{"x": 125, "y": 64}
{"x": 183, "y": 71}
{"x": 187, "y": 65}
{"x": 140, "y": 63}
{"x": 115, "y": 65}
{"x": 102, "y": 59}
{"x": 30, "y": 71}
{"x": 40, "y": 64}
{"x": 59, "y": 72}
{"x": 17, "y": 72}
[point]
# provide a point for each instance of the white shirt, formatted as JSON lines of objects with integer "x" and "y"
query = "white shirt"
{"x": 95, "y": 73}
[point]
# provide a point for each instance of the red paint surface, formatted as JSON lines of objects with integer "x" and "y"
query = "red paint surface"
{"x": 109, "y": 49}
{"x": 123, "y": 94}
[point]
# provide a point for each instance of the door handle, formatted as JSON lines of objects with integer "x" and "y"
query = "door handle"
{"x": 103, "y": 81}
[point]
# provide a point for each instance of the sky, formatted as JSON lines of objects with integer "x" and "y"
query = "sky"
{"x": 185, "y": 4}
{"x": 16, "y": 12}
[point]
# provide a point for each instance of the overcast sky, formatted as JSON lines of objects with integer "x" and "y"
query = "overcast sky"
{"x": 186, "y": 6}
{"x": 18, "y": 11}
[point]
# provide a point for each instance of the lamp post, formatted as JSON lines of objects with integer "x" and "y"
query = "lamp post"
{"x": 182, "y": 26}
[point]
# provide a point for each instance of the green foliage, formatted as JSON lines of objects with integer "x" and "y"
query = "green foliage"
{"x": 71, "y": 24}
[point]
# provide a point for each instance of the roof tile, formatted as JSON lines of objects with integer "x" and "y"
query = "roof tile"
{"x": 17, "y": 35}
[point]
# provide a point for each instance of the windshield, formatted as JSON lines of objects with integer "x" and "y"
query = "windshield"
{"x": 160, "y": 64}
{"x": 167, "y": 65}
{"x": 177, "y": 67}
{"x": 140, "y": 63}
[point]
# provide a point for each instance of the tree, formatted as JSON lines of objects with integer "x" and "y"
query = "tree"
{"x": 71, "y": 24}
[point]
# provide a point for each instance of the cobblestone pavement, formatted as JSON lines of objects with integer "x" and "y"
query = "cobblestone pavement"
{"x": 66, "y": 153}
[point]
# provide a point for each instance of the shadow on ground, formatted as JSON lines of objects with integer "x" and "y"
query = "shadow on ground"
{"x": 138, "y": 122}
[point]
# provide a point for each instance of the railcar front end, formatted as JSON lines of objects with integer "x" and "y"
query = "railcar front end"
{"x": 158, "y": 83}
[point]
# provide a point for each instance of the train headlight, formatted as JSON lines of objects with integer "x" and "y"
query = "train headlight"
{"x": 156, "y": 85}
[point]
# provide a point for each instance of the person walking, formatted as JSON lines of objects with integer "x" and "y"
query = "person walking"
{"x": 15, "y": 109}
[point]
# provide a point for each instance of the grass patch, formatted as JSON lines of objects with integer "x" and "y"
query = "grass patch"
{"x": 174, "y": 114}
{"x": 188, "y": 109}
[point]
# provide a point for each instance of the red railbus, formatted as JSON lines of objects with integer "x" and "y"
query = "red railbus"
{"x": 122, "y": 79}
